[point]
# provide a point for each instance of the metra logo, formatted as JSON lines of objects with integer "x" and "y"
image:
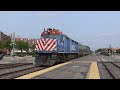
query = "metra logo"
{"x": 73, "y": 47}
{"x": 61, "y": 43}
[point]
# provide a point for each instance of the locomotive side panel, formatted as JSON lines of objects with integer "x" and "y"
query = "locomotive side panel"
{"x": 64, "y": 44}
{"x": 60, "y": 44}
{"x": 67, "y": 45}
{"x": 81, "y": 50}
{"x": 74, "y": 47}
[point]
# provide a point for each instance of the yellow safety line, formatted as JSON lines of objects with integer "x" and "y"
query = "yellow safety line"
{"x": 93, "y": 72}
{"x": 37, "y": 73}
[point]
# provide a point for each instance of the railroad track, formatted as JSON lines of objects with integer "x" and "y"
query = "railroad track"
{"x": 112, "y": 68}
{"x": 13, "y": 70}
{"x": 13, "y": 65}
{"x": 113, "y": 59}
{"x": 18, "y": 73}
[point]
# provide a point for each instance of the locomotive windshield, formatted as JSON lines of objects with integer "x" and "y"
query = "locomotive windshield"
{"x": 54, "y": 36}
{"x": 50, "y": 36}
{"x": 44, "y": 36}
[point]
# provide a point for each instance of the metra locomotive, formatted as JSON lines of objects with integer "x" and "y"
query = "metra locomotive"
{"x": 55, "y": 47}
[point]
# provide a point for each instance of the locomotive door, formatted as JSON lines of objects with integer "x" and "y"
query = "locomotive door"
{"x": 67, "y": 45}
{"x": 61, "y": 44}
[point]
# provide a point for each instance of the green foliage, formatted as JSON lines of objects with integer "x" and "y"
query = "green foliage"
{"x": 21, "y": 45}
{"x": 1, "y": 45}
{"x": 98, "y": 50}
{"x": 32, "y": 47}
{"x": 6, "y": 44}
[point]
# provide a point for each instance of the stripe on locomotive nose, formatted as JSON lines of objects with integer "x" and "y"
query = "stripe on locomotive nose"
{"x": 53, "y": 46}
{"x": 42, "y": 44}
{"x": 53, "y": 41}
{"x": 49, "y": 45}
{"x": 36, "y": 45}
{"x": 39, "y": 45}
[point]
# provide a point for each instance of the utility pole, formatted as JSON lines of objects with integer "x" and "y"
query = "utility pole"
{"x": 110, "y": 50}
{"x": 13, "y": 44}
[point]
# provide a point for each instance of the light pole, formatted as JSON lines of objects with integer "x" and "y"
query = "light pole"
{"x": 110, "y": 50}
{"x": 13, "y": 44}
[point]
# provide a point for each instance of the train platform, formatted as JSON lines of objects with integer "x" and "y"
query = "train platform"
{"x": 94, "y": 66}
{"x": 80, "y": 68}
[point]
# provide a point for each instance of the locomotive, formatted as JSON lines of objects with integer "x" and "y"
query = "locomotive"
{"x": 55, "y": 47}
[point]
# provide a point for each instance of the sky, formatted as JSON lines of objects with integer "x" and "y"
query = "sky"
{"x": 97, "y": 29}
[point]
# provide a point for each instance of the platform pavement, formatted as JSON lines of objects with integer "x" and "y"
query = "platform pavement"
{"x": 77, "y": 69}
{"x": 74, "y": 69}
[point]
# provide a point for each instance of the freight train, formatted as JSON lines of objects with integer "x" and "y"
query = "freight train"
{"x": 54, "y": 47}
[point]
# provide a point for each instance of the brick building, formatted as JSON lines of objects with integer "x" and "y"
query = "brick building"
{"x": 4, "y": 36}
{"x": 31, "y": 41}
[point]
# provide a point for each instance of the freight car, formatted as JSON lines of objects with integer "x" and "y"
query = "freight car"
{"x": 54, "y": 47}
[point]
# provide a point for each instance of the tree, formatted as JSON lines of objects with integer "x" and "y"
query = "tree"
{"x": 26, "y": 47}
{"x": 6, "y": 44}
{"x": 1, "y": 45}
{"x": 98, "y": 50}
{"x": 32, "y": 47}
{"x": 21, "y": 45}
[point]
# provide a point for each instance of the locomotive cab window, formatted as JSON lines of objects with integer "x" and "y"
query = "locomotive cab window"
{"x": 50, "y": 36}
{"x": 44, "y": 36}
{"x": 54, "y": 36}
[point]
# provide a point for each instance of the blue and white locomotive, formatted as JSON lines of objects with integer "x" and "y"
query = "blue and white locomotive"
{"x": 54, "y": 47}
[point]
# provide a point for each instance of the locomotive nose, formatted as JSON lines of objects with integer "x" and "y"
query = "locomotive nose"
{"x": 46, "y": 44}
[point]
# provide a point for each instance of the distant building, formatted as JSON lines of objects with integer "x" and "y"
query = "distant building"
{"x": 31, "y": 41}
{"x": 4, "y": 37}
{"x": 106, "y": 50}
{"x": 115, "y": 49}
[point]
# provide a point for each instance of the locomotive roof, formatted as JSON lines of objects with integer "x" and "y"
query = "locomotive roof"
{"x": 57, "y": 32}
{"x": 51, "y": 32}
